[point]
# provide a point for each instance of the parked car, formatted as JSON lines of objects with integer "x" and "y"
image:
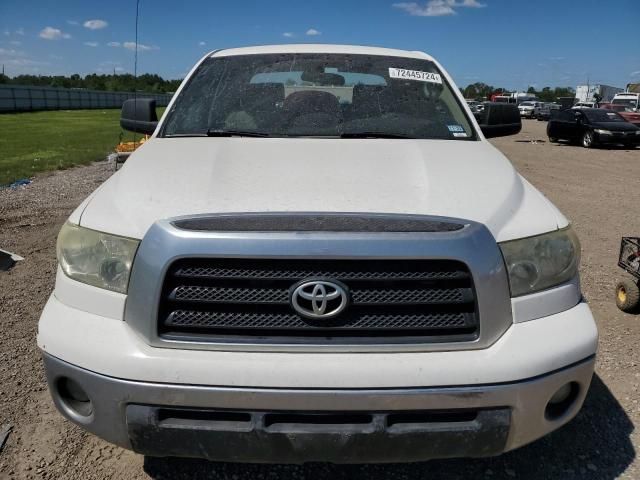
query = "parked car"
{"x": 591, "y": 127}
{"x": 276, "y": 275}
{"x": 475, "y": 106}
{"x": 527, "y": 109}
{"x": 565, "y": 102}
{"x": 580, "y": 105}
{"x": 624, "y": 111}
{"x": 543, "y": 112}
{"x": 524, "y": 97}
{"x": 628, "y": 99}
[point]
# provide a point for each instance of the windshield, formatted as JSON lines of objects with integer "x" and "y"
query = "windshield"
{"x": 602, "y": 115}
{"x": 319, "y": 95}
{"x": 628, "y": 102}
{"x": 528, "y": 104}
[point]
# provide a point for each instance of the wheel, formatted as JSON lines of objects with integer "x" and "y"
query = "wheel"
{"x": 553, "y": 140}
{"x": 587, "y": 139}
{"x": 627, "y": 295}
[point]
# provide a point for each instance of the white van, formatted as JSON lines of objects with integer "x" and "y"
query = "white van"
{"x": 628, "y": 99}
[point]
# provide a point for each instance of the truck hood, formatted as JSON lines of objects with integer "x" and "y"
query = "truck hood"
{"x": 182, "y": 176}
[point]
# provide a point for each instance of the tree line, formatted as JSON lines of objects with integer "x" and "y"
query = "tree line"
{"x": 153, "y": 83}
{"x": 482, "y": 91}
{"x": 148, "y": 82}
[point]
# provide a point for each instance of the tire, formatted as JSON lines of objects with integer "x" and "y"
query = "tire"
{"x": 627, "y": 296}
{"x": 553, "y": 140}
{"x": 588, "y": 140}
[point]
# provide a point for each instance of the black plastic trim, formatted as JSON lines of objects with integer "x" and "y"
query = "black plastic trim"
{"x": 298, "y": 437}
{"x": 315, "y": 222}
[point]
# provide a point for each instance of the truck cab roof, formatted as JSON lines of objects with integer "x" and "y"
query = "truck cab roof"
{"x": 320, "y": 48}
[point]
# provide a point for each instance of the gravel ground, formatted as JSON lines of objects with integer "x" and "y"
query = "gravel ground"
{"x": 595, "y": 188}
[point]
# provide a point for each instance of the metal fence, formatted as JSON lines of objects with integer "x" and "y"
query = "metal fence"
{"x": 22, "y": 98}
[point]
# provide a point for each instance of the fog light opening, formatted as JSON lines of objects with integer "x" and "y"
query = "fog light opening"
{"x": 74, "y": 397}
{"x": 562, "y": 400}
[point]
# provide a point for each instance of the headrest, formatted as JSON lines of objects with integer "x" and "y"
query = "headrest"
{"x": 312, "y": 101}
{"x": 262, "y": 93}
{"x": 365, "y": 93}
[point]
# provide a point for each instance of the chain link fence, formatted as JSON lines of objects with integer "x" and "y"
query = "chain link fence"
{"x": 22, "y": 98}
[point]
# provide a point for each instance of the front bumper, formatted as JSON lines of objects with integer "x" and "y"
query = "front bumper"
{"x": 617, "y": 140}
{"x": 302, "y": 425}
{"x": 388, "y": 406}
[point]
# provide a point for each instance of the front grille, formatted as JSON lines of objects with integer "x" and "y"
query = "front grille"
{"x": 249, "y": 300}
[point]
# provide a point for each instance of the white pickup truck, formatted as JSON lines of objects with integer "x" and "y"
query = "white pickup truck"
{"x": 318, "y": 256}
{"x": 631, "y": 100}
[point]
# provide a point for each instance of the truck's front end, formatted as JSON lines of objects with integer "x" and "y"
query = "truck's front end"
{"x": 368, "y": 280}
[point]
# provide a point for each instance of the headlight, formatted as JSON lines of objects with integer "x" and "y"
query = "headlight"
{"x": 602, "y": 132}
{"x": 96, "y": 258}
{"x": 541, "y": 262}
{"x": 638, "y": 132}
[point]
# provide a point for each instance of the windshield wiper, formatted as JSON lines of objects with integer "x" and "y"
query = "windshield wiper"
{"x": 374, "y": 135}
{"x": 234, "y": 133}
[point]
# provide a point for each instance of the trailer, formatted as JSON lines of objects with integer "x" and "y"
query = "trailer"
{"x": 596, "y": 93}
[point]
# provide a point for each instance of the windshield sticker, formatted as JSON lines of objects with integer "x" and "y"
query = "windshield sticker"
{"x": 455, "y": 128}
{"x": 415, "y": 75}
{"x": 459, "y": 134}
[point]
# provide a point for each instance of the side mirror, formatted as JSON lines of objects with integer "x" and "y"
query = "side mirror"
{"x": 139, "y": 115}
{"x": 499, "y": 119}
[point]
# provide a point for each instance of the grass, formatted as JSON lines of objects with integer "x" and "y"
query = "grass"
{"x": 40, "y": 141}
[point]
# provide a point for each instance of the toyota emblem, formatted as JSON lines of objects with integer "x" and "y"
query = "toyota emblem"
{"x": 319, "y": 299}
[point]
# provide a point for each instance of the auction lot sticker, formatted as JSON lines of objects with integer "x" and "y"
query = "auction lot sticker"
{"x": 415, "y": 75}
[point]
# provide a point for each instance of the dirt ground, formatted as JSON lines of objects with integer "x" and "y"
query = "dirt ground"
{"x": 597, "y": 189}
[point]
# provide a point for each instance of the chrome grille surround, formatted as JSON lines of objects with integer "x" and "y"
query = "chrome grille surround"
{"x": 472, "y": 245}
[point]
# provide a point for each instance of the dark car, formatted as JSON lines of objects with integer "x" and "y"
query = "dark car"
{"x": 543, "y": 112}
{"x": 591, "y": 127}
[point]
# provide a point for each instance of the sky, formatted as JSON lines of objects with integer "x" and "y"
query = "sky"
{"x": 506, "y": 43}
